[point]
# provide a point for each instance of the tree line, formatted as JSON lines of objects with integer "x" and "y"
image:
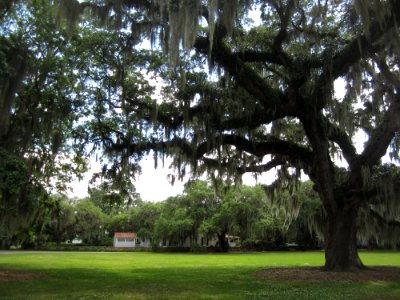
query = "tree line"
{"x": 247, "y": 213}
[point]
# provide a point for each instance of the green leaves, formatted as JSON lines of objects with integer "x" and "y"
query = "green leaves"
{"x": 14, "y": 175}
{"x": 90, "y": 222}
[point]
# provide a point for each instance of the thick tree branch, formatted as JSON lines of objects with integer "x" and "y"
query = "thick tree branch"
{"x": 293, "y": 153}
{"x": 271, "y": 145}
{"x": 275, "y": 102}
{"x": 285, "y": 13}
{"x": 170, "y": 119}
{"x": 173, "y": 118}
{"x": 259, "y": 56}
{"x": 168, "y": 147}
{"x": 382, "y": 136}
{"x": 341, "y": 138}
{"x": 252, "y": 56}
{"x": 214, "y": 163}
{"x": 377, "y": 145}
{"x": 276, "y": 162}
{"x": 389, "y": 76}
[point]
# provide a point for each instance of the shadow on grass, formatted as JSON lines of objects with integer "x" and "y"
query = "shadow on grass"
{"x": 184, "y": 283}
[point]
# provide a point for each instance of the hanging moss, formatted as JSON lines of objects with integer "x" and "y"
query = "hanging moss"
{"x": 70, "y": 10}
{"x": 371, "y": 11}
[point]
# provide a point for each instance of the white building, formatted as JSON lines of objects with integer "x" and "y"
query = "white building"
{"x": 124, "y": 240}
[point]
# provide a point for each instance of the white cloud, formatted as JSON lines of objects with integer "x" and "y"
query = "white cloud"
{"x": 153, "y": 184}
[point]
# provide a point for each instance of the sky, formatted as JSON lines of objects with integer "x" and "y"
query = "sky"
{"x": 153, "y": 184}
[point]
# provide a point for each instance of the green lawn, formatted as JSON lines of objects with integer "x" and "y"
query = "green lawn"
{"x": 181, "y": 276}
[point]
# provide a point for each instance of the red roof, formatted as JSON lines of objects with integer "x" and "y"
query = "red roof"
{"x": 125, "y": 235}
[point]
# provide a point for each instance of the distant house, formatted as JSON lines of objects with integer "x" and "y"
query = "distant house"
{"x": 143, "y": 242}
{"x": 232, "y": 240}
{"x": 202, "y": 241}
{"x": 124, "y": 240}
{"x": 131, "y": 240}
{"x": 76, "y": 241}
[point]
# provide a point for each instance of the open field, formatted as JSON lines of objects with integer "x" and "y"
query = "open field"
{"x": 62, "y": 275}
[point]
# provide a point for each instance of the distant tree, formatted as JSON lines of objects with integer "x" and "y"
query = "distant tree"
{"x": 244, "y": 211}
{"x": 182, "y": 216}
{"x": 118, "y": 223}
{"x": 143, "y": 217}
{"x": 90, "y": 222}
{"x": 221, "y": 223}
{"x": 200, "y": 201}
{"x": 251, "y": 204}
{"x": 61, "y": 226}
{"x": 114, "y": 199}
{"x": 174, "y": 223}
{"x": 306, "y": 219}
{"x": 259, "y": 219}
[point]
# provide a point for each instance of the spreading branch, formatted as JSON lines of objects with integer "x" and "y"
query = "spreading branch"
{"x": 342, "y": 139}
{"x": 382, "y": 136}
{"x": 277, "y": 104}
{"x": 273, "y": 163}
{"x": 361, "y": 46}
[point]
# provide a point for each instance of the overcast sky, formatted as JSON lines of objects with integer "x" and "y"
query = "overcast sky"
{"x": 153, "y": 184}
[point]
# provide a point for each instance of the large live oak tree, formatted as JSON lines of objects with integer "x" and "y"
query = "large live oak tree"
{"x": 241, "y": 96}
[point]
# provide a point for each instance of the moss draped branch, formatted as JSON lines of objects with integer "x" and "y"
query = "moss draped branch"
{"x": 277, "y": 103}
{"x": 291, "y": 152}
{"x": 253, "y": 168}
{"x": 361, "y": 46}
{"x": 379, "y": 141}
{"x": 343, "y": 140}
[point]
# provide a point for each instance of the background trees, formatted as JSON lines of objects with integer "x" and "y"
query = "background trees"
{"x": 90, "y": 222}
{"x": 307, "y": 218}
{"x": 61, "y": 226}
{"x": 202, "y": 214}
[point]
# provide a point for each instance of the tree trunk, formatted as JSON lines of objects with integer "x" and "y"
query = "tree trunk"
{"x": 341, "y": 241}
{"x": 223, "y": 242}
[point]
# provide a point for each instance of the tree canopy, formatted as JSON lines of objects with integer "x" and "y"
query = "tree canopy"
{"x": 39, "y": 103}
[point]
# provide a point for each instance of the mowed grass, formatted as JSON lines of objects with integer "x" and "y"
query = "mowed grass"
{"x": 182, "y": 276}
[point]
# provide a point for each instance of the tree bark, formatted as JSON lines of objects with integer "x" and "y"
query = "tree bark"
{"x": 341, "y": 252}
{"x": 223, "y": 242}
